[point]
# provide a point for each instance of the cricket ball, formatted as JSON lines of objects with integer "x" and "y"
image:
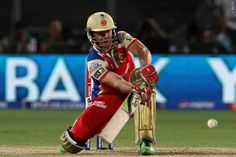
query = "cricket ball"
{"x": 212, "y": 123}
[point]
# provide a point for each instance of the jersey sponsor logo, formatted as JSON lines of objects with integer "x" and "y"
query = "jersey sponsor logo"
{"x": 100, "y": 104}
{"x": 94, "y": 67}
{"x": 99, "y": 72}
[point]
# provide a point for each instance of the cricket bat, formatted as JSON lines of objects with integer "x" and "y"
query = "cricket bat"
{"x": 120, "y": 118}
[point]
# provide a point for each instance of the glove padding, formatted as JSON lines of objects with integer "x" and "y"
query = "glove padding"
{"x": 149, "y": 74}
{"x": 145, "y": 92}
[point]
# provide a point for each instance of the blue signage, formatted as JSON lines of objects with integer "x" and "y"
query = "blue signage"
{"x": 186, "y": 81}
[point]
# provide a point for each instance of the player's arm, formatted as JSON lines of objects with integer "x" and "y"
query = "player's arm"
{"x": 139, "y": 49}
{"x": 149, "y": 74}
{"x": 136, "y": 47}
{"x": 98, "y": 69}
{"x": 123, "y": 86}
{"x": 117, "y": 82}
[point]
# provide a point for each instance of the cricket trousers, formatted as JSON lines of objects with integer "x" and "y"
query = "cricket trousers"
{"x": 96, "y": 116}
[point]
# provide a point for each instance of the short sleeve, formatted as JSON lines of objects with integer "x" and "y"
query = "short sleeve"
{"x": 97, "y": 69}
{"x": 125, "y": 39}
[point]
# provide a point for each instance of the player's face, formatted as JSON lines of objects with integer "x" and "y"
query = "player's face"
{"x": 103, "y": 40}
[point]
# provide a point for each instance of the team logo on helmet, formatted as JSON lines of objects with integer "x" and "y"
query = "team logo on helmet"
{"x": 104, "y": 22}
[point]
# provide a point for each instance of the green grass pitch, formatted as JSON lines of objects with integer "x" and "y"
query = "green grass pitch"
{"x": 174, "y": 128}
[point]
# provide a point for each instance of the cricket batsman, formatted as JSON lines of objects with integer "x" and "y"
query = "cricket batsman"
{"x": 110, "y": 63}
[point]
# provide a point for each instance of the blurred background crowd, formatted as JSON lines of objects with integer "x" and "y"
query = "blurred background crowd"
{"x": 164, "y": 26}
